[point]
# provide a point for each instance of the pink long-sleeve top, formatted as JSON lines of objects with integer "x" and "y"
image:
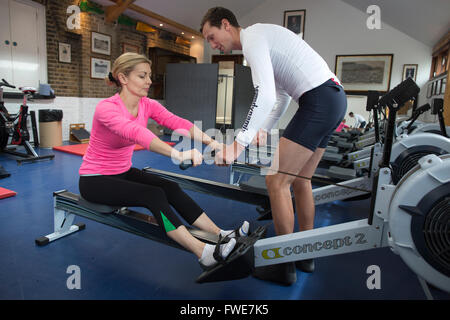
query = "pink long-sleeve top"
{"x": 115, "y": 131}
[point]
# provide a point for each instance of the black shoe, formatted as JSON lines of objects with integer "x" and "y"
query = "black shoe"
{"x": 283, "y": 273}
{"x": 305, "y": 265}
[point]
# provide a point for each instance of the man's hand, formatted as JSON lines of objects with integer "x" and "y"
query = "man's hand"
{"x": 260, "y": 139}
{"x": 228, "y": 154}
{"x": 214, "y": 145}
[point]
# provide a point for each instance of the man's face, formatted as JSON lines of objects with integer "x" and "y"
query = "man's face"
{"x": 219, "y": 38}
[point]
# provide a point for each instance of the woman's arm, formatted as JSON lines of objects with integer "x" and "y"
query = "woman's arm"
{"x": 159, "y": 146}
{"x": 169, "y": 120}
{"x": 199, "y": 135}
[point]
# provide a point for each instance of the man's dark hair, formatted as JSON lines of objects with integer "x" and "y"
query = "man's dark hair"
{"x": 215, "y": 15}
{"x": 350, "y": 114}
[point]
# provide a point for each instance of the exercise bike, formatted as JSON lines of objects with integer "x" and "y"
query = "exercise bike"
{"x": 14, "y": 128}
{"x": 3, "y": 172}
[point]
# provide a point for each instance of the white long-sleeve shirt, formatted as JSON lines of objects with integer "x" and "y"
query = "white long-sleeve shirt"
{"x": 358, "y": 120}
{"x": 283, "y": 67}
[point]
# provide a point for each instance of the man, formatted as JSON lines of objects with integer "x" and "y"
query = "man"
{"x": 360, "y": 122}
{"x": 283, "y": 66}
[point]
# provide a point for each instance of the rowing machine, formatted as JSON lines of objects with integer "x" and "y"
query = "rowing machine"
{"x": 68, "y": 205}
{"x": 395, "y": 219}
{"x": 412, "y": 220}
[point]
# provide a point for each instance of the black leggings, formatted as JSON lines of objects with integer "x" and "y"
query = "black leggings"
{"x": 136, "y": 188}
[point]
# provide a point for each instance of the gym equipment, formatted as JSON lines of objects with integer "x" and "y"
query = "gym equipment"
{"x": 440, "y": 128}
{"x": 14, "y": 130}
{"x": 412, "y": 126}
{"x": 4, "y": 173}
{"x": 351, "y": 188}
{"x": 409, "y": 149}
{"x": 412, "y": 221}
{"x": 406, "y": 152}
{"x": 5, "y": 193}
{"x": 68, "y": 205}
{"x": 414, "y": 231}
{"x": 356, "y": 162}
{"x": 78, "y": 133}
{"x": 407, "y": 126}
{"x": 422, "y": 145}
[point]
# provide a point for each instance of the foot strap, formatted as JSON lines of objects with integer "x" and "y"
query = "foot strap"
{"x": 217, "y": 254}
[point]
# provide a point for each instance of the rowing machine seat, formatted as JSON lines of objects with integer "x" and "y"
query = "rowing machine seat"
{"x": 98, "y": 207}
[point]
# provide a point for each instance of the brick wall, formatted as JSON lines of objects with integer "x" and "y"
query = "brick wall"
{"x": 74, "y": 79}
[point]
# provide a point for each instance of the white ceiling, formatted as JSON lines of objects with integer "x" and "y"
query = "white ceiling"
{"x": 424, "y": 20}
{"x": 190, "y": 12}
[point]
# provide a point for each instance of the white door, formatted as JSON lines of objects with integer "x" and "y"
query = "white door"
{"x": 25, "y": 55}
{"x": 5, "y": 43}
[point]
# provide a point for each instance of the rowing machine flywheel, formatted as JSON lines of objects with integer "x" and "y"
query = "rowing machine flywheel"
{"x": 419, "y": 220}
{"x": 409, "y": 149}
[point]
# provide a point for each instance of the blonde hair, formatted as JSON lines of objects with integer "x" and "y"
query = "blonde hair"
{"x": 125, "y": 63}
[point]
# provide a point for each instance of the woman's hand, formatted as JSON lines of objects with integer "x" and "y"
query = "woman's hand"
{"x": 194, "y": 155}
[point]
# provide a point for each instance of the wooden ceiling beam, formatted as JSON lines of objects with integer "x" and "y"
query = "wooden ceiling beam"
{"x": 113, "y": 12}
{"x": 158, "y": 17}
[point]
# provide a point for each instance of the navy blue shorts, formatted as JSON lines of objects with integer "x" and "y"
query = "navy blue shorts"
{"x": 320, "y": 112}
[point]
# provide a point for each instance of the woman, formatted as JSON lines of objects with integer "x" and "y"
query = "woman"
{"x": 342, "y": 126}
{"x": 107, "y": 175}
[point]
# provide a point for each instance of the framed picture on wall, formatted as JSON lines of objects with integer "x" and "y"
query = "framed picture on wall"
{"x": 409, "y": 71}
{"x": 100, "y": 68}
{"x": 294, "y": 20}
{"x": 64, "y": 51}
{"x": 364, "y": 72}
{"x": 126, "y": 47}
{"x": 100, "y": 43}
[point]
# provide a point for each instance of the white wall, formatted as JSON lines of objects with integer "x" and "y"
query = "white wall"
{"x": 75, "y": 110}
{"x": 197, "y": 49}
{"x": 333, "y": 27}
